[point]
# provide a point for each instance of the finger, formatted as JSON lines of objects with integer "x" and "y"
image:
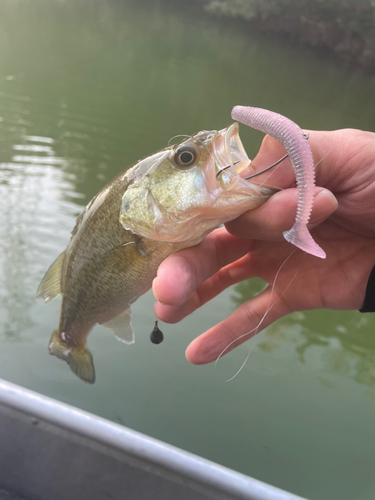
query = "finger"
{"x": 278, "y": 214}
{"x": 242, "y": 269}
{"x": 180, "y": 274}
{"x": 270, "y": 152}
{"x": 250, "y": 318}
{"x": 338, "y": 154}
{"x": 331, "y": 151}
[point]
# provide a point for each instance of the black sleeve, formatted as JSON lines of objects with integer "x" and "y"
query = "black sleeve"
{"x": 369, "y": 303}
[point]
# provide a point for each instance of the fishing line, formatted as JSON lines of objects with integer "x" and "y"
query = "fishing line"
{"x": 306, "y": 136}
{"x": 277, "y": 163}
{"x": 180, "y": 135}
{"x": 266, "y": 169}
{"x": 195, "y": 140}
{"x": 226, "y": 168}
{"x": 210, "y": 153}
{"x": 268, "y": 308}
{"x": 281, "y": 159}
{"x": 240, "y": 368}
{"x": 258, "y": 173}
{"x": 274, "y": 283}
{"x": 262, "y": 171}
{"x": 321, "y": 159}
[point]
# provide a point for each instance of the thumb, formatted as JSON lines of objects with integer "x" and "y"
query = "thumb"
{"x": 326, "y": 147}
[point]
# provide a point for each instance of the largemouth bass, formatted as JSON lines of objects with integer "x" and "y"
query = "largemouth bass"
{"x": 163, "y": 203}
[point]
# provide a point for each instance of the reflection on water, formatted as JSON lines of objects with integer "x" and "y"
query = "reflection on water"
{"x": 86, "y": 88}
{"x": 30, "y": 187}
{"x": 34, "y": 189}
{"x": 339, "y": 342}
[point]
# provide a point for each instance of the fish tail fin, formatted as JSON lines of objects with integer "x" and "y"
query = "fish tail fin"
{"x": 80, "y": 360}
{"x": 300, "y": 237}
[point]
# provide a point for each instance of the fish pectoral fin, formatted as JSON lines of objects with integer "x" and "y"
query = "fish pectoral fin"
{"x": 80, "y": 360}
{"x": 50, "y": 286}
{"x": 121, "y": 327}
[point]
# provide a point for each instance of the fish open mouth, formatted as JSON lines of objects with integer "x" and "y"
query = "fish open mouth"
{"x": 175, "y": 203}
{"x": 230, "y": 157}
{"x": 234, "y": 148}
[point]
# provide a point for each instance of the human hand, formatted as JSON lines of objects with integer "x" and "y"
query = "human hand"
{"x": 253, "y": 245}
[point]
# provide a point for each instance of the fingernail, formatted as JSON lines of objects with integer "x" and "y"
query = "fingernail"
{"x": 328, "y": 199}
{"x": 204, "y": 354}
{"x": 327, "y": 195}
{"x": 155, "y": 294}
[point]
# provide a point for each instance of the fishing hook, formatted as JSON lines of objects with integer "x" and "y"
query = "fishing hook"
{"x": 306, "y": 136}
{"x": 225, "y": 168}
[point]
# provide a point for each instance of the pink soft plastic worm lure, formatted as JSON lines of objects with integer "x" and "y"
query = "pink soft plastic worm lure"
{"x": 291, "y": 137}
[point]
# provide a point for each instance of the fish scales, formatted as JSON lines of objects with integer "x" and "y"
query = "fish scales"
{"x": 165, "y": 202}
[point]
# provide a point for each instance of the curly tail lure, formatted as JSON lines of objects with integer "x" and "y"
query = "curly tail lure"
{"x": 291, "y": 136}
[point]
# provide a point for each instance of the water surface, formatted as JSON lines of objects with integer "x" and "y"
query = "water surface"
{"x": 86, "y": 88}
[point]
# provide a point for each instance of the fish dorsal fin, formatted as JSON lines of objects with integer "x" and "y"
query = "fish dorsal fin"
{"x": 50, "y": 286}
{"x": 121, "y": 327}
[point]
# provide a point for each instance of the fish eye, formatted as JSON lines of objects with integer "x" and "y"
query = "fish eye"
{"x": 185, "y": 156}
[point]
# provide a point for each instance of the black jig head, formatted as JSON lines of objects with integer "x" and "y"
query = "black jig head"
{"x": 156, "y": 336}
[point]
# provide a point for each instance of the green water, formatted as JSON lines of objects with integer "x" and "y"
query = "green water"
{"x": 86, "y": 88}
